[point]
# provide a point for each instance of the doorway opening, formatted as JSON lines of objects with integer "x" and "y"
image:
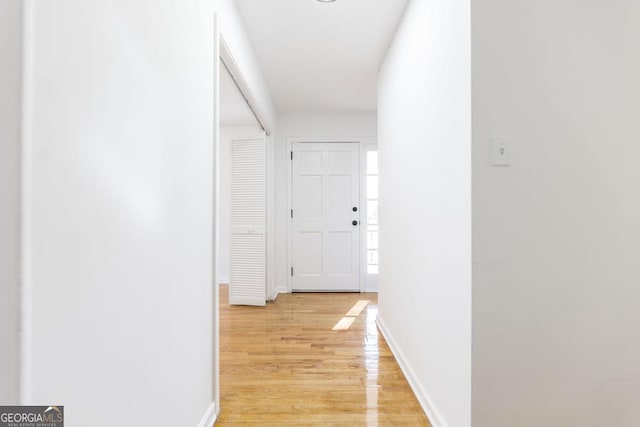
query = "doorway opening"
{"x": 240, "y": 147}
{"x": 241, "y": 225}
{"x": 332, "y": 230}
{"x": 231, "y": 81}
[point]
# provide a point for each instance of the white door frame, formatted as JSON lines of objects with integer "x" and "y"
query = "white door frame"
{"x": 363, "y": 142}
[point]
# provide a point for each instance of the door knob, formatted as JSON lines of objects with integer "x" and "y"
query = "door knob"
{"x": 355, "y": 209}
{"x": 354, "y": 222}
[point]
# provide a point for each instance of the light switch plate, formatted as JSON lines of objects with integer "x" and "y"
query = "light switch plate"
{"x": 500, "y": 151}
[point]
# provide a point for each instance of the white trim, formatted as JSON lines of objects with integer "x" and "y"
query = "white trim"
{"x": 279, "y": 290}
{"x": 209, "y": 417}
{"x": 362, "y": 141}
{"x": 215, "y": 318}
{"x": 362, "y": 264}
{"x": 271, "y": 290}
{"x": 223, "y": 281}
{"x": 428, "y": 405}
{"x": 26, "y": 210}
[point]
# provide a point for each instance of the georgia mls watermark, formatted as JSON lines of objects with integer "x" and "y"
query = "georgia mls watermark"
{"x": 31, "y": 416}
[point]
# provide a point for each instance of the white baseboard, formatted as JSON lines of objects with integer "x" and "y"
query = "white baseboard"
{"x": 223, "y": 281}
{"x": 281, "y": 290}
{"x": 428, "y": 406}
{"x": 209, "y": 417}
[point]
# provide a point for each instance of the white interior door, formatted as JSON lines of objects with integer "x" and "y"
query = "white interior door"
{"x": 247, "y": 284}
{"x": 326, "y": 217}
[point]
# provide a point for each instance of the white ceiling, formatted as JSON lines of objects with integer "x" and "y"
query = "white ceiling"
{"x": 233, "y": 109}
{"x": 321, "y": 57}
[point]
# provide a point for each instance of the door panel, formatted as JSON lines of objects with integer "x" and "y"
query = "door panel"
{"x": 339, "y": 247}
{"x": 310, "y": 256}
{"x": 340, "y": 162}
{"x": 311, "y": 161}
{"x": 310, "y": 197}
{"x": 326, "y": 182}
{"x": 248, "y": 223}
{"x": 338, "y": 198}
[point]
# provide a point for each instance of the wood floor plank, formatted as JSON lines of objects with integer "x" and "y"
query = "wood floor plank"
{"x": 284, "y": 365}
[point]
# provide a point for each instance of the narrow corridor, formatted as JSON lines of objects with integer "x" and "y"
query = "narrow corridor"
{"x": 310, "y": 359}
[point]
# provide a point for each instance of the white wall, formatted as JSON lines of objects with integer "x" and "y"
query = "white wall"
{"x": 424, "y": 143}
{"x": 307, "y": 125}
{"x": 228, "y": 134}
{"x": 120, "y": 230}
{"x": 556, "y": 235}
{"x": 10, "y": 120}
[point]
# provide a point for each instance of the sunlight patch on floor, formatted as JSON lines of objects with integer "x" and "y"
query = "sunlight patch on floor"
{"x": 348, "y": 319}
{"x": 357, "y": 308}
{"x": 344, "y": 324}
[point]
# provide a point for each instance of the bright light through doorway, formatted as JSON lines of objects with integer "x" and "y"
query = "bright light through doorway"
{"x": 372, "y": 212}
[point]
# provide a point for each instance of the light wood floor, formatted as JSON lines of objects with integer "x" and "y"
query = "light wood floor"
{"x": 283, "y": 364}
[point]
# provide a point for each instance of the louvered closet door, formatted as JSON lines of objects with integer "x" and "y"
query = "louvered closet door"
{"x": 248, "y": 219}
